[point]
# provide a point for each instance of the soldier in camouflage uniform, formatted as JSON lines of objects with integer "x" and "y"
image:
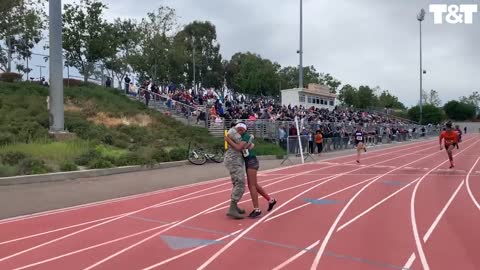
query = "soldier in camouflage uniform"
{"x": 235, "y": 164}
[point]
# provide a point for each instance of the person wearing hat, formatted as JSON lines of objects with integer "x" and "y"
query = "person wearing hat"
{"x": 235, "y": 165}
{"x": 450, "y": 138}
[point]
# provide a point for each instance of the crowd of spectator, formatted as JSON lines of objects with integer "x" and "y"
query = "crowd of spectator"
{"x": 230, "y": 106}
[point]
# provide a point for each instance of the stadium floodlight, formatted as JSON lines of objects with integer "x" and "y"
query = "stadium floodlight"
{"x": 300, "y": 51}
{"x": 420, "y": 18}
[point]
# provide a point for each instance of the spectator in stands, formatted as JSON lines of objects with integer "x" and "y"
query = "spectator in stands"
{"x": 319, "y": 141}
{"x": 127, "y": 84}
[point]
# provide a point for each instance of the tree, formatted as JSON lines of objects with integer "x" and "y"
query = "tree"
{"x": 331, "y": 82}
{"x": 289, "y": 77}
{"x": 21, "y": 25}
{"x": 86, "y": 36}
{"x": 348, "y": 95}
{"x": 124, "y": 37}
{"x": 459, "y": 111}
{"x": 431, "y": 97}
{"x": 208, "y": 62}
{"x": 366, "y": 97}
{"x": 388, "y": 100}
{"x": 152, "y": 58}
{"x": 249, "y": 73}
{"x": 473, "y": 99}
{"x": 430, "y": 114}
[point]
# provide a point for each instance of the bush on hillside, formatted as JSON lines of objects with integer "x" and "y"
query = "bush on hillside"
{"x": 33, "y": 166}
{"x": 7, "y": 170}
{"x": 12, "y": 158}
{"x": 10, "y": 77}
{"x": 68, "y": 166}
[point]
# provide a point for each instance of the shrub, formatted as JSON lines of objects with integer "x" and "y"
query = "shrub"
{"x": 130, "y": 159}
{"x": 160, "y": 155}
{"x": 6, "y": 138}
{"x": 178, "y": 154}
{"x": 10, "y": 77}
{"x": 7, "y": 170}
{"x": 85, "y": 159}
{"x": 99, "y": 163}
{"x": 72, "y": 82}
{"x": 13, "y": 158}
{"x": 68, "y": 166}
{"x": 33, "y": 166}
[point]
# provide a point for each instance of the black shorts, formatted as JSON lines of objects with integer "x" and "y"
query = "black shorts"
{"x": 448, "y": 145}
{"x": 252, "y": 163}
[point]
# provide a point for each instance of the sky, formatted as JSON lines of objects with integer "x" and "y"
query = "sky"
{"x": 365, "y": 42}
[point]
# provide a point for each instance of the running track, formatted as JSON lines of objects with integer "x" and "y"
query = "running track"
{"x": 402, "y": 208}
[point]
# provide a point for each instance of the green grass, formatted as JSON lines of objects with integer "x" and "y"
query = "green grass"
{"x": 266, "y": 148}
{"x": 24, "y": 124}
{"x": 50, "y": 151}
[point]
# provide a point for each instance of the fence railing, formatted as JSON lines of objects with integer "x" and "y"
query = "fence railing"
{"x": 190, "y": 114}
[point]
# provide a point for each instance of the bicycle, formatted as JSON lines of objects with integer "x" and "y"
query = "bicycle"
{"x": 198, "y": 156}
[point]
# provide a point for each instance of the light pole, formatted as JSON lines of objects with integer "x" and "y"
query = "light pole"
{"x": 194, "y": 71}
{"x": 41, "y": 67}
{"x": 420, "y": 18}
{"x": 300, "y": 51}
{"x": 57, "y": 124}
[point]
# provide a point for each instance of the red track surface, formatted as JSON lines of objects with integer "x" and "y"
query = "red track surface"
{"x": 401, "y": 209}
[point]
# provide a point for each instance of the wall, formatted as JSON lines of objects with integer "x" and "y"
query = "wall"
{"x": 472, "y": 127}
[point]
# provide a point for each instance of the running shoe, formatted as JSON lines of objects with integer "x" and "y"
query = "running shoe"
{"x": 255, "y": 213}
{"x": 271, "y": 204}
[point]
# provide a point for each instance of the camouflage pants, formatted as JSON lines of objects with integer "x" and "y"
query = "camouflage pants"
{"x": 237, "y": 174}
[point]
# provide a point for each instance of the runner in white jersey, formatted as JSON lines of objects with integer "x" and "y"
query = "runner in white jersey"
{"x": 359, "y": 138}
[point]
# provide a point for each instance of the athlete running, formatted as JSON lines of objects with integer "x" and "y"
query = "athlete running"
{"x": 359, "y": 141}
{"x": 459, "y": 131}
{"x": 450, "y": 138}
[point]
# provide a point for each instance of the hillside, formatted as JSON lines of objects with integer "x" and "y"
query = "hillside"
{"x": 110, "y": 129}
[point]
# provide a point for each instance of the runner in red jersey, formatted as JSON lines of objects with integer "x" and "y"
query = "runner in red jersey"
{"x": 450, "y": 138}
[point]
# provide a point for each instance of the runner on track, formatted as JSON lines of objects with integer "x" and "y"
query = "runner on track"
{"x": 450, "y": 138}
{"x": 459, "y": 131}
{"x": 359, "y": 141}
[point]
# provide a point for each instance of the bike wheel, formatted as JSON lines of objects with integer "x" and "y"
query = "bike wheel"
{"x": 217, "y": 157}
{"x": 197, "y": 158}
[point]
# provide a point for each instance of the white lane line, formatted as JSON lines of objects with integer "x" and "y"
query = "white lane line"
{"x": 410, "y": 261}
{"x": 375, "y": 206}
{"x": 332, "y": 228}
{"x": 93, "y": 247}
{"x": 437, "y": 220}
{"x": 306, "y": 204}
{"x": 416, "y": 234}
{"x": 93, "y": 204}
{"x": 221, "y": 251}
{"x": 187, "y": 252}
{"x": 324, "y": 197}
{"x": 91, "y": 227}
{"x": 412, "y": 258}
{"x": 279, "y": 191}
{"x": 298, "y": 255}
{"x": 468, "y": 186}
{"x": 56, "y": 230}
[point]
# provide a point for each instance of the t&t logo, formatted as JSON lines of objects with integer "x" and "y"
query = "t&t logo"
{"x": 456, "y": 13}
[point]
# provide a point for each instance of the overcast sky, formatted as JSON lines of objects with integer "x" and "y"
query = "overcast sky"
{"x": 369, "y": 42}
